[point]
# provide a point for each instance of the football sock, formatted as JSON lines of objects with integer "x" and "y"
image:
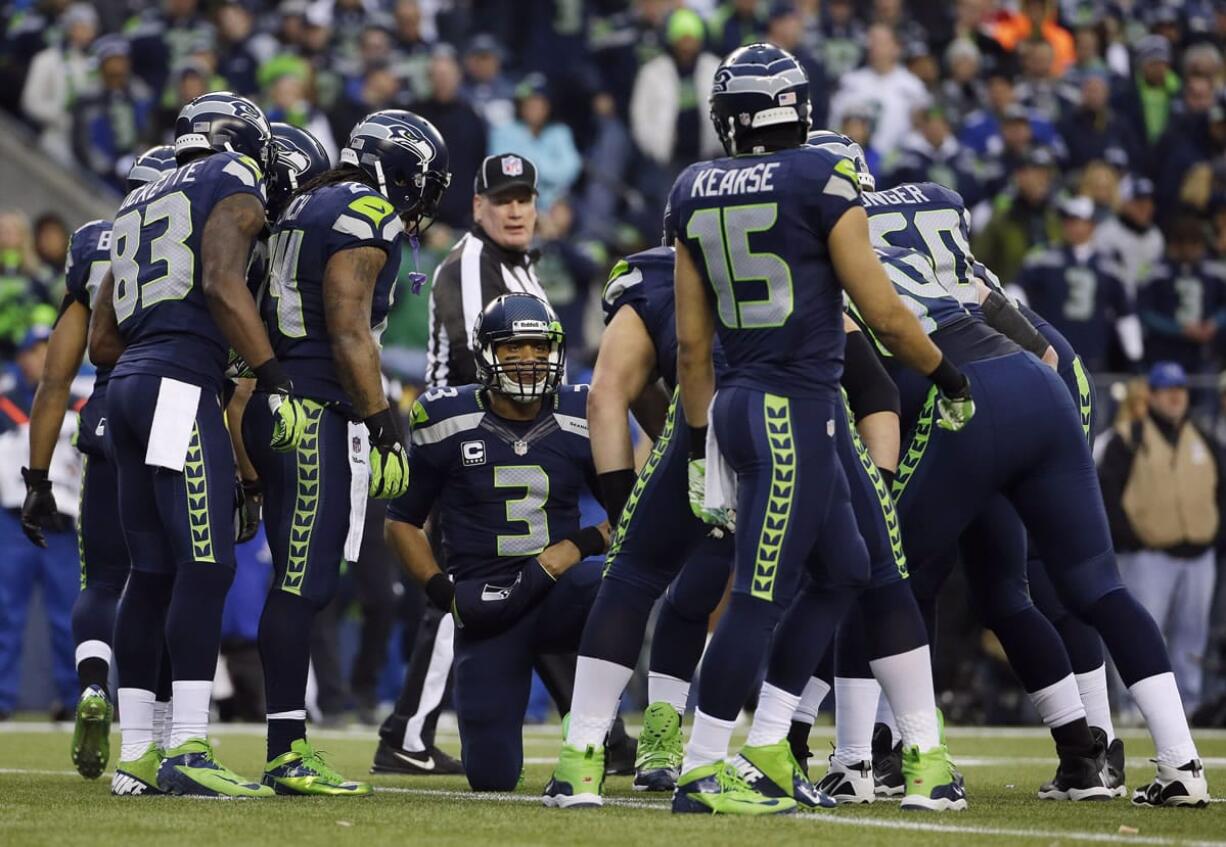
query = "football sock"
{"x": 1158, "y": 699}
{"x": 93, "y": 664}
{"x": 855, "y": 703}
{"x": 135, "y": 722}
{"x": 598, "y": 688}
{"x": 284, "y": 728}
{"x": 668, "y": 689}
{"x": 773, "y": 717}
{"x": 161, "y": 700}
{"x": 811, "y": 700}
{"x": 1131, "y": 636}
{"x": 1059, "y": 704}
{"x": 1092, "y": 687}
{"x": 885, "y": 715}
{"x": 616, "y": 623}
{"x": 736, "y": 651}
{"x": 193, "y": 621}
{"x": 286, "y": 657}
{"x": 191, "y": 711}
{"x": 162, "y": 722}
{"x": 678, "y": 640}
{"x": 142, "y": 611}
{"x": 708, "y": 742}
{"x": 1033, "y": 647}
{"x": 906, "y": 680}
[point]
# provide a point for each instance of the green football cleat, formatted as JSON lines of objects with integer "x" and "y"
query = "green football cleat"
{"x": 660, "y": 751}
{"x": 91, "y": 737}
{"x": 138, "y": 777}
{"x": 719, "y": 790}
{"x": 577, "y": 779}
{"x": 303, "y": 771}
{"x": 933, "y": 783}
{"x": 192, "y": 770}
{"x": 772, "y": 771}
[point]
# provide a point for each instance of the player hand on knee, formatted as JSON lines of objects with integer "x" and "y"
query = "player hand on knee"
{"x": 389, "y": 462}
{"x": 39, "y": 511}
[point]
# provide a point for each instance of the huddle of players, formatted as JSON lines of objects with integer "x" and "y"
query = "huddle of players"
{"x": 816, "y": 516}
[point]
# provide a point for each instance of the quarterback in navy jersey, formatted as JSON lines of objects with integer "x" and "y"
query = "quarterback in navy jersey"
{"x": 104, "y": 557}
{"x": 334, "y": 256}
{"x": 503, "y": 465}
{"x": 172, "y": 305}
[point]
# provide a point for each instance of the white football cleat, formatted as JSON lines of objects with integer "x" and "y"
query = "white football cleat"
{"x": 1175, "y": 786}
{"x": 848, "y": 783}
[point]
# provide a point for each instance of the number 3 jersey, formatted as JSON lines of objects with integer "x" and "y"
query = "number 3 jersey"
{"x": 157, "y": 263}
{"x": 313, "y": 229}
{"x": 756, "y": 228}
{"x": 501, "y": 490}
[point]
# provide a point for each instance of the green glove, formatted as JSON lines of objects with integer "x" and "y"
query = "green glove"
{"x": 289, "y": 421}
{"x": 955, "y": 411}
{"x": 389, "y": 462}
{"x": 697, "y": 474}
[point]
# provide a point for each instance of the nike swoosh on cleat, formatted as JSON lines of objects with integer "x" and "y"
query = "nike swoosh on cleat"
{"x": 426, "y": 764}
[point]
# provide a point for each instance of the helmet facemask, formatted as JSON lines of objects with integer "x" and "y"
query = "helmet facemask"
{"x": 524, "y": 380}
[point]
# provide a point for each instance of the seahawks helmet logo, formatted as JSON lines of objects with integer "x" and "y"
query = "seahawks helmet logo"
{"x": 295, "y": 159}
{"x": 229, "y": 104}
{"x": 402, "y": 135}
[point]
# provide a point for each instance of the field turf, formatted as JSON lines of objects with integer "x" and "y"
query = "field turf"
{"x": 43, "y": 801}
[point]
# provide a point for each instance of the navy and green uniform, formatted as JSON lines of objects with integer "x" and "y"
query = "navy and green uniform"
{"x": 502, "y": 492}
{"x": 757, "y": 229}
{"x": 1175, "y": 295}
{"x": 172, "y": 516}
{"x": 307, "y": 500}
{"x": 104, "y": 555}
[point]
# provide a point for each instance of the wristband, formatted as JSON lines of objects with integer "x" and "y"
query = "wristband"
{"x": 698, "y": 442}
{"x": 949, "y": 379}
{"x": 1008, "y": 320}
{"x": 589, "y": 540}
{"x": 383, "y": 428}
{"x": 252, "y": 487}
{"x": 440, "y": 591}
{"x": 615, "y": 488}
{"x": 34, "y": 476}
{"x": 271, "y": 377}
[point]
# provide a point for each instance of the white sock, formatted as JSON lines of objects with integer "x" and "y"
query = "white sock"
{"x": 94, "y": 649}
{"x": 598, "y": 687}
{"x": 773, "y": 717}
{"x": 191, "y": 712}
{"x": 709, "y": 739}
{"x": 885, "y": 715}
{"x": 161, "y": 721}
{"x": 811, "y": 700}
{"x": 135, "y": 722}
{"x": 1058, "y": 703}
{"x": 1158, "y": 699}
{"x": 1093, "y": 689}
{"x": 855, "y": 705}
{"x": 906, "y": 679}
{"x": 662, "y": 688}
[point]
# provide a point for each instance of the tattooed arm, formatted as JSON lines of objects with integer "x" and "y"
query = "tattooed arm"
{"x": 349, "y": 287}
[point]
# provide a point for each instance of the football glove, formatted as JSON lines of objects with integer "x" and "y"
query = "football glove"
{"x": 236, "y": 368}
{"x": 39, "y": 511}
{"x": 697, "y": 474}
{"x": 955, "y": 411}
{"x": 248, "y": 504}
{"x": 389, "y": 461}
{"x": 288, "y": 421}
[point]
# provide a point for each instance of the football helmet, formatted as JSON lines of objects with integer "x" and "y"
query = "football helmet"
{"x": 406, "y": 157}
{"x": 150, "y": 165}
{"x": 758, "y": 86}
{"x": 221, "y": 121}
{"x": 519, "y": 317}
{"x": 841, "y": 145}
{"x": 300, "y": 158}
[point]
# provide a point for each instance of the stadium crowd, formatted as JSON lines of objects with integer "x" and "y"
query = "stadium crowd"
{"x": 1082, "y": 134}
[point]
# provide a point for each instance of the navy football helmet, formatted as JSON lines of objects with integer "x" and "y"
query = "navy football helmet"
{"x": 842, "y": 145}
{"x": 150, "y": 165}
{"x": 221, "y": 121}
{"x": 300, "y": 158}
{"x": 758, "y": 86}
{"x": 406, "y": 157}
{"x": 519, "y": 317}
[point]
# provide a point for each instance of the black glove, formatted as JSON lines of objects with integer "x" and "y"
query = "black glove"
{"x": 248, "y": 506}
{"x": 389, "y": 462}
{"x": 39, "y": 511}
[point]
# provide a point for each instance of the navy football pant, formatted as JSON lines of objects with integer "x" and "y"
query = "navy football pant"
{"x": 493, "y": 677}
{"x": 179, "y": 529}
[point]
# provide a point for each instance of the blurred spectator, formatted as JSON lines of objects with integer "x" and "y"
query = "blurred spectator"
{"x": 51, "y": 250}
{"x": 1130, "y": 235}
{"x": 162, "y": 36}
{"x": 982, "y": 128}
{"x": 624, "y": 42}
{"x": 566, "y": 271}
{"x": 735, "y": 24}
{"x": 285, "y": 79}
{"x": 243, "y": 49}
{"x": 490, "y": 91}
{"x": 961, "y": 92}
{"x": 919, "y": 60}
{"x": 606, "y": 165}
{"x": 380, "y": 90}
{"x": 464, "y": 131}
{"x": 58, "y": 77}
{"x": 1100, "y": 181}
{"x": 56, "y": 569}
{"x": 1037, "y": 21}
{"x": 893, "y": 91}
{"x": 1007, "y": 151}
{"x": 1163, "y": 488}
{"x": 374, "y": 51}
{"x": 110, "y": 126}
{"x": 1192, "y": 140}
{"x": 534, "y": 136}
{"x": 930, "y": 153}
{"x": 190, "y": 80}
{"x": 412, "y": 48}
{"x": 895, "y": 15}
{"x": 1203, "y": 60}
{"x": 1146, "y": 100}
{"x": 1092, "y": 126}
{"x": 785, "y": 29}
{"x": 1079, "y": 291}
{"x": 1038, "y": 88}
{"x": 1183, "y": 302}
{"x": 1088, "y": 61}
{"x": 970, "y": 25}
{"x": 858, "y": 122}
{"x": 840, "y": 41}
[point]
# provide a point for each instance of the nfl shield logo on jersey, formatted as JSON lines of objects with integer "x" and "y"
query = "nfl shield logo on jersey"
{"x": 512, "y": 166}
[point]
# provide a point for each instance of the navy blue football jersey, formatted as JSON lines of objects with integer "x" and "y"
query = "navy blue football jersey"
{"x": 1175, "y": 295}
{"x": 89, "y": 257}
{"x": 503, "y": 490}
{"x": 156, "y": 261}
{"x": 933, "y": 220}
{"x": 756, "y": 228}
{"x": 313, "y": 228}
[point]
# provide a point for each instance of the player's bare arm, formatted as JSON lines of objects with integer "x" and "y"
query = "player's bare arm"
{"x": 349, "y": 285}
{"x": 624, "y": 367}
{"x": 650, "y": 409}
{"x": 695, "y": 330}
{"x": 243, "y": 389}
{"x": 229, "y": 233}
{"x": 105, "y": 342}
{"x": 412, "y": 548}
{"x": 879, "y": 430}
{"x": 65, "y": 349}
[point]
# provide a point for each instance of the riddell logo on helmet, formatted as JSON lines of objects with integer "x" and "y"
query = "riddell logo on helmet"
{"x": 512, "y": 166}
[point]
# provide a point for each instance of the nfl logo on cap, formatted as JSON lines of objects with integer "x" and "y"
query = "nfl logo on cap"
{"x": 512, "y": 166}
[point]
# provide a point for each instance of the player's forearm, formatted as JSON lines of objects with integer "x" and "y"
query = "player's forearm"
{"x": 650, "y": 409}
{"x": 901, "y": 333}
{"x": 233, "y": 309}
{"x": 609, "y": 428}
{"x": 105, "y": 343}
{"x": 234, "y": 423}
{"x": 696, "y": 378}
{"x": 229, "y": 234}
{"x": 357, "y": 364}
{"x": 46, "y": 419}
{"x": 412, "y": 548}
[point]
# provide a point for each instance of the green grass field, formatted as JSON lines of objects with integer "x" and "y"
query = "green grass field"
{"x": 43, "y": 801}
